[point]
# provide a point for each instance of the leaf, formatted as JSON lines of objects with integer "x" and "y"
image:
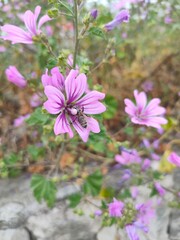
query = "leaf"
{"x": 154, "y": 192}
{"x": 74, "y": 200}
{"x": 44, "y": 189}
{"x": 35, "y": 152}
{"x": 93, "y": 183}
{"x": 37, "y": 118}
{"x": 112, "y": 105}
{"x": 11, "y": 159}
{"x": 96, "y": 31}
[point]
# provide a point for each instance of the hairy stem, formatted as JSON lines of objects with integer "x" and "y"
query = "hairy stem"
{"x": 76, "y": 32}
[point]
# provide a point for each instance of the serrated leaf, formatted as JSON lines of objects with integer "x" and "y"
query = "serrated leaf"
{"x": 74, "y": 200}
{"x": 37, "y": 118}
{"x": 93, "y": 183}
{"x": 96, "y": 31}
{"x": 35, "y": 152}
{"x": 44, "y": 189}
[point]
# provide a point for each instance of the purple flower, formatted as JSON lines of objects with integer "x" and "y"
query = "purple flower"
{"x": 115, "y": 208}
{"x": 145, "y": 212}
{"x": 144, "y": 216}
{"x": 98, "y": 212}
{"x": 94, "y": 13}
{"x": 134, "y": 192}
{"x": 122, "y": 16}
{"x": 174, "y": 159}
{"x": 35, "y": 100}
{"x": 160, "y": 189}
{"x": 2, "y": 48}
{"x": 147, "y": 86}
{"x": 146, "y": 164}
{"x": 128, "y": 157}
{"x": 14, "y": 76}
{"x": 18, "y": 35}
{"x": 143, "y": 113}
{"x": 72, "y": 106}
{"x": 56, "y": 79}
{"x": 168, "y": 20}
{"x": 20, "y": 120}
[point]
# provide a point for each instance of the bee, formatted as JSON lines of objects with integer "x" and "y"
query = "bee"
{"x": 81, "y": 118}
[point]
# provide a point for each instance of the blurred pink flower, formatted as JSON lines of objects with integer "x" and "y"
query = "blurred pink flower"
{"x": 128, "y": 157}
{"x": 14, "y": 76}
{"x": 134, "y": 192}
{"x": 115, "y": 208}
{"x": 168, "y": 20}
{"x": 122, "y": 16}
{"x": 146, "y": 164}
{"x": 98, "y": 213}
{"x": 20, "y": 120}
{"x": 147, "y": 86}
{"x": 69, "y": 102}
{"x": 2, "y": 48}
{"x": 123, "y": 3}
{"x": 36, "y": 100}
{"x": 174, "y": 159}
{"x": 56, "y": 79}
{"x": 145, "y": 212}
{"x": 18, "y": 35}
{"x": 144, "y": 113}
{"x": 160, "y": 189}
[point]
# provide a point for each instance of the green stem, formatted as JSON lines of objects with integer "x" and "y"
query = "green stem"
{"x": 76, "y": 33}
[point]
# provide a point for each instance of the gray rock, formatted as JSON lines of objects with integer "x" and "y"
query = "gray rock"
{"x": 12, "y": 215}
{"x": 14, "y": 234}
{"x": 174, "y": 228}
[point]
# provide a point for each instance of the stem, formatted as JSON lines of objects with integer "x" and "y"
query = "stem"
{"x": 76, "y": 33}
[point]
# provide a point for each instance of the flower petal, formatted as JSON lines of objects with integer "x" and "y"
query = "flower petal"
{"x": 83, "y": 132}
{"x": 90, "y": 103}
{"x": 93, "y": 125}
{"x": 37, "y": 12}
{"x": 16, "y": 34}
{"x": 30, "y": 22}
{"x": 43, "y": 20}
{"x": 55, "y": 95}
{"x": 62, "y": 126}
{"x": 75, "y": 86}
{"x": 130, "y": 107}
{"x": 52, "y": 107}
{"x": 141, "y": 99}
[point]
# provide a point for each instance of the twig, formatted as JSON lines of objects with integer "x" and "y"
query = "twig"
{"x": 76, "y": 33}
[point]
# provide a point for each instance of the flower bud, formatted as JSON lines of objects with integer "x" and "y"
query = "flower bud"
{"x": 94, "y": 13}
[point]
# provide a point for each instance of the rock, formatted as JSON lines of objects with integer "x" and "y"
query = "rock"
{"x": 174, "y": 228}
{"x": 12, "y": 215}
{"x": 55, "y": 225}
{"x": 14, "y": 234}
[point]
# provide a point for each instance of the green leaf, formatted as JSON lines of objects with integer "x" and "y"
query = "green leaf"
{"x": 112, "y": 106}
{"x": 44, "y": 189}
{"x": 157, "y": 175}
{"x": 93, "y": 183}
{"x": 74, "y": 200}
{"x": 96, "y": 31}
{"x": 35, "y": 152}
{"x": 37, "y": 118}
{"x": 154, "y": 192}
{"x": 11, "y": 159}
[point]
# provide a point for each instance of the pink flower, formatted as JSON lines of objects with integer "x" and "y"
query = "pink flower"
{"x": 146, "y": 164}
{"x": 72, "y": 106}
{"x": 174, "y": 159}
{"x": 14, "y": 76}
{"x": 147, "y": 86}
{"x": 144, "y": 113}
{"x": 134, "y": 192}
{"x": 145, "y": 212}
{"x": 20, "y": 120}
{"x": 168, "y": 20}
{"x": 2, "y": 48}
{"x": 56, "y": 79}
{"x": 160, "y": 189}
{"x": 144, "y": 216}
{"x": 116, "y": 208}
{"x": 128, "y": 157}
{"x": 18, "y": 35}
{"x": 35, "y": 100}
{"x": 122, "y": 16}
